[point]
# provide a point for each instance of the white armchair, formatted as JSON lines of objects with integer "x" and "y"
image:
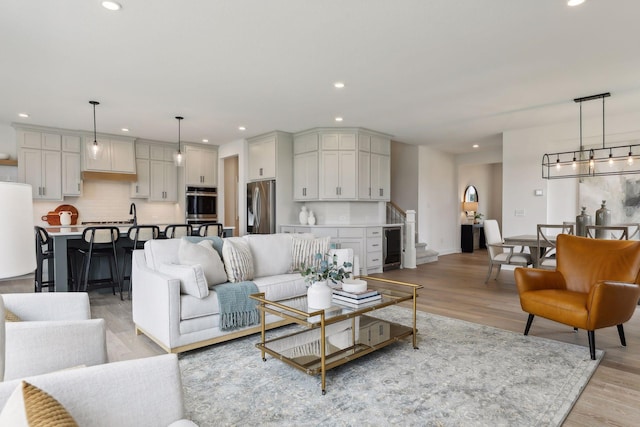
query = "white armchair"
{"x": 55, "y": 332}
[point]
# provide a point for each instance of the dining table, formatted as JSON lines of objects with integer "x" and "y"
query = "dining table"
{"x": 531, "y": 241}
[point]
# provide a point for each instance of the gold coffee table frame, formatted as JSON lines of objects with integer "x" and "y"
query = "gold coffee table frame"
{"x": 295, "y": 310}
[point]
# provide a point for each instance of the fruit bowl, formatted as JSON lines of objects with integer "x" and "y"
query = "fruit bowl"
{"x": 354, "y": 285}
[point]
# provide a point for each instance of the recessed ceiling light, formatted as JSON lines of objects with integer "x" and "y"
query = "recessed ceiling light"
{"x": 205, "y": 140}
{"x": 242, "y": 128}
{"x": 23, "y": 115}
{"x": 339, "y": 119}
{"x": 125, "y": 129}
{"x": 475, "y": 146}
{"x": 574, "y": 2}
{"x": 338, "y": 85}
{"x": 111, "y": 5}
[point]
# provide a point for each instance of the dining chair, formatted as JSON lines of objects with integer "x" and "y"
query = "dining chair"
{"x": 609, "y": 232}
{"x": 137, "y": 234}
{"x": 546, "y": 238}
{"x": 500, "y": 253}
{"x": 633, "y": 230}
{"x": 210, "y": 229}
{"x": 176, "y": 231}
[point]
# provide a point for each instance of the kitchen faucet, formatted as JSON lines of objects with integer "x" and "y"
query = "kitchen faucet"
{"x": 132, "y": 211}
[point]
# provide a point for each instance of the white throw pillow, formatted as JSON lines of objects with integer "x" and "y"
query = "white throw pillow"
{"x": 192, "y": 278}
{"x": 304, "y": 250}
{"x": 204, "y": 254}
{"x": 237, "y": 259}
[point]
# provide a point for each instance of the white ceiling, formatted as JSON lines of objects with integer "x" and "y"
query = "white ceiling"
{"x": 439, "y": 72}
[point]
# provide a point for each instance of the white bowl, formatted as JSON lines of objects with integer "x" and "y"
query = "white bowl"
{"x": 4, "y": 156}
{"x": 354, "y": 285}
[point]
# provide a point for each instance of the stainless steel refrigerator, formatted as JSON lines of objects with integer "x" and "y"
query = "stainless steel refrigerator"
{"x": 261, "y": 207}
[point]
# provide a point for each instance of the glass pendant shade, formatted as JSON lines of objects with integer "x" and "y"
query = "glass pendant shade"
{"x": 94, "y": 150}
{"x": 178, "y": 157}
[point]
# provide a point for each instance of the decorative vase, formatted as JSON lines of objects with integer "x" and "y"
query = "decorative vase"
{"x": 603, "y": 217}
{"x": 319, "y": 295}
{"x": 303, "y": 216}
{"x": 582, "y": 221}
{"x": 311, "y": 219}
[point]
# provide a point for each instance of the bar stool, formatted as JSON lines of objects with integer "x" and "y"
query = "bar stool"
{"x": 176, "y": 231}
{"x": 210, "y": 229}
{"x": 102, "y": 244}
{"x": 138, "y": 234}
{"x": 44, "y": 252}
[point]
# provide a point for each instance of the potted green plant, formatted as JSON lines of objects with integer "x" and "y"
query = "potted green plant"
{"x": 477, "y": 218}
{"x": 324, "y": 268}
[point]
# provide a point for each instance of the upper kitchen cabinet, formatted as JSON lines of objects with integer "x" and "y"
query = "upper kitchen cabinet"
{"x": 118, "y": 155}
{"x": 156, "y": 174}
{"x": 262, "y": 158}
{"x": 353, "y": 164}
{"x": 42, "y": 169}
{"x": 201, "y": 165}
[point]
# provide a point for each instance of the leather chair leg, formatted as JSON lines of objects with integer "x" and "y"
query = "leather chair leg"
{"x": 529, "y": 321}
{"x": 592, "y": 344}
{"x": 623, "y": 341}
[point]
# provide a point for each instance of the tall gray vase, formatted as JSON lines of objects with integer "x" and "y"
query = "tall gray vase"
{"x": 603, "y": 217}
{"x": 582, "y": 221}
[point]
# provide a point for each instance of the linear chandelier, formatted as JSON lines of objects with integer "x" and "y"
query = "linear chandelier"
{"x": 585, "y": 162}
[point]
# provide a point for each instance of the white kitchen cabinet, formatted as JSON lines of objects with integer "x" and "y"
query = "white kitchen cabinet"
{"x": 338, "y": 141}
{"x": 163, "y": 181}
{"x": 71, "y": 176}
{"x": 374, "y": 257}
{"x": 142, "y": 150}
{"x": 337, "y": 175}
{"x": 71, "y": 144}
{"x": 304, "y": 143}
{"x": 162, "y": 152}
{"x": 380, "y": 177}
{"x": 201, "y": 165}
{"x": 116, "y": 156}
{"x": 42, "y": 170}
{"x": 262, "y": 158}
{"x": 364, "y": 175}
{"x": 141, "y": 187}
{"x": 305, "y": 176}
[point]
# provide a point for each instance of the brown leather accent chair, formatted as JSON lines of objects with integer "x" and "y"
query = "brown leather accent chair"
{"x": 595, "y": 285}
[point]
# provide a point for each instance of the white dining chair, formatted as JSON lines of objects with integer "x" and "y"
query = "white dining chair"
{"x": 500, "y": 253}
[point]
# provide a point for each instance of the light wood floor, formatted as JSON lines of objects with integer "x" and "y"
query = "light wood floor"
{"x": 454, "y": 287}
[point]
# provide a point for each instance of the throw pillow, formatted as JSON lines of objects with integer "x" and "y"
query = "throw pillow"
{"x": 192, "y": 278}
{"x": 304, "y": 250}
{"x": 10, "y": 316}
{"x": 237, "y": 259}
{"x": 204, "y": 254}
{"x": 28, "y": 405}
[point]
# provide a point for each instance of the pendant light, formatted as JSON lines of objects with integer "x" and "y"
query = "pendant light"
{"x": 94, "y": 150}
{"x": 592, "y": 161}
{"x": 178, "y": 157}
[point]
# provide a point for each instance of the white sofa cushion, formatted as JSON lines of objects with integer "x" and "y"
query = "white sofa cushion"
{"x": 271, "y": 253}
{"x": 204, "y": 254}
{"x": 192, "y": 307}
{"x": 192, "y": 279}
{"x": 237, "y": 259}
{"x": 281, "y": 286}
{"x": 161, "y": 251}
{"x": 304, "y": 250}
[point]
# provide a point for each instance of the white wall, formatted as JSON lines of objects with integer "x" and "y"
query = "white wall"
{"x": 235, "y": 148}
{"x": 404, "y": 175}
{"x": 438, "y": 201}
{"x": 522, "y": 174}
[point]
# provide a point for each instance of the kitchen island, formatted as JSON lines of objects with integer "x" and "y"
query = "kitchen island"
{"x": 65, "y": 237}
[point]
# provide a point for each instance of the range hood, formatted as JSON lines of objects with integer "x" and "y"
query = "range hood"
{"x": 110, "y": 176}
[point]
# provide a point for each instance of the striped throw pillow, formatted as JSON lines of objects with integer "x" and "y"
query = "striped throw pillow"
{"x": 305, "y": 250}
{"x": 237, "y": 258}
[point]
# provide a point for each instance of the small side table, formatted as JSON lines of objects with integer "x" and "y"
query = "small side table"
{"x": 469, "y": 235}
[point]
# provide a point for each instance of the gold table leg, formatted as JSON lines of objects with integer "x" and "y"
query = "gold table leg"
{"x": 263, "y": 331}
{"x": 323, "y": 361}
{"x": 415, "y": 330}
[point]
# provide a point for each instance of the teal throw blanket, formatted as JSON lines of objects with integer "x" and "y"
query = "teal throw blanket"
{"x": 236, "y": 308}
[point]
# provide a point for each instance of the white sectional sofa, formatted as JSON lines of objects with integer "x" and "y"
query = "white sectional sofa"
{"x": 179, "y": 322}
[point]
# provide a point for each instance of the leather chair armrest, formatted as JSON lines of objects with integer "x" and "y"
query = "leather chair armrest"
{"x": 535, "y": 279}
{"x": 611, "y": 303}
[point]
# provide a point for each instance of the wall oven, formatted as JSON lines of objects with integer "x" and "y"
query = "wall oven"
{"x": 201, "y": 205}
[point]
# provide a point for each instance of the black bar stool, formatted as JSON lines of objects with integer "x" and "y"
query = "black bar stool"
{"x": 176, "y": 231}
{"x": 210, "y": 229}
{"x": 138, "y": 234}
{"x": 44, "y": 253}
{"x": 102, "y": 243}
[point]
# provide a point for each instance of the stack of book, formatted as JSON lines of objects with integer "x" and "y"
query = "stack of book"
{"x": 355, "y": 299}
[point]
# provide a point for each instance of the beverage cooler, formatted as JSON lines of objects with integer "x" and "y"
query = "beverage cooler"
{"x": 392, "y": 248}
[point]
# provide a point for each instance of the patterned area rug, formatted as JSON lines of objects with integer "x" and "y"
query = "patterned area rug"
{"x": 463, "y": 374}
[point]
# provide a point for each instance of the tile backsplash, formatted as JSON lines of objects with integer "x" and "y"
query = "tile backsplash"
{"x": 110, "y": 201}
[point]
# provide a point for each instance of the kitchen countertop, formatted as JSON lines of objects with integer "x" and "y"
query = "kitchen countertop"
{"x": 76, "y": 230}
{"x": 341, "y": 225}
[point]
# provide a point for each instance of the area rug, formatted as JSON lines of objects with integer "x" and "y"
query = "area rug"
{"x": 463, "y": 374}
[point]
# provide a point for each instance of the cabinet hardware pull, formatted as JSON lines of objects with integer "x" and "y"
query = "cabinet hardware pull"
{"x": 260, "y": 171}
{"x": 369, "y": 191}
{"x": 337, "y": 191}
{"x": 381, "y": 191}
{"x": 44, "y": 191}
{"x": 374, "y": 245}
{"x": 375, "y": 259}
{"x": 78, "y": 186}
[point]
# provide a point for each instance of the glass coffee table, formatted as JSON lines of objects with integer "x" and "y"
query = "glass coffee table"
{"x": 336, "y": 335}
